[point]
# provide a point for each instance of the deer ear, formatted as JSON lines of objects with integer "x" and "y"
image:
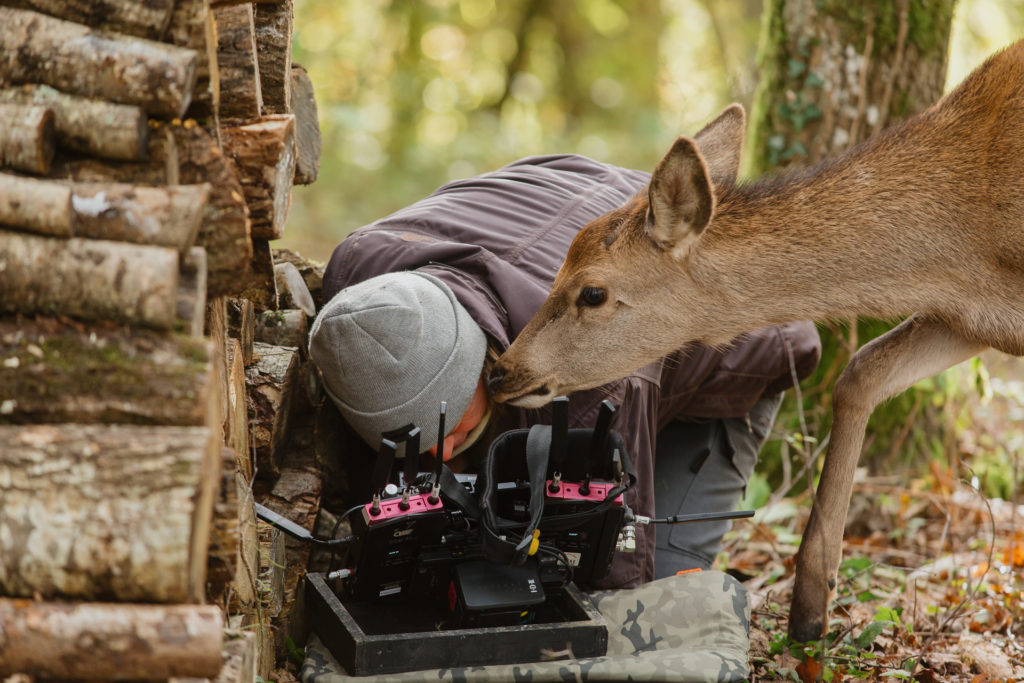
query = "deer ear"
{"x": 681, "y": 201}
{"x": 721, "y": 143}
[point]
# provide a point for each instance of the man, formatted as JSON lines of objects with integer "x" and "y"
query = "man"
{"x": 419, "y": 303}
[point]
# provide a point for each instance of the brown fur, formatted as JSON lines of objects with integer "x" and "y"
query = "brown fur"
{"x": 925, "y": 219}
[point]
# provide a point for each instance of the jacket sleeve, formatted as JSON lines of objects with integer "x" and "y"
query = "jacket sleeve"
{"x": 699, "y": 382}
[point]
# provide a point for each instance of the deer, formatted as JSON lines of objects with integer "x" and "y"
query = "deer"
{"x": 923, "y": 222}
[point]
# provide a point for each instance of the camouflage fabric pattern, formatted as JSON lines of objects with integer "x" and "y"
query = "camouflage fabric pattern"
{"x": 692, "y": 627}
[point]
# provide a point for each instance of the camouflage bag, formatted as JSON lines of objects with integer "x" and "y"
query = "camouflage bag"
{"x": 692, "y": 627}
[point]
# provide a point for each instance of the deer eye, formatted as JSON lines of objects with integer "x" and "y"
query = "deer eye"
{"x": 592, "y": 296}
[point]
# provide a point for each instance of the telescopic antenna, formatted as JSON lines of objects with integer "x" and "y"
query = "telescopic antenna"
{"x": 439, "y": 458}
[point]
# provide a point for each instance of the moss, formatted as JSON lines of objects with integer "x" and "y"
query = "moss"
{"x": 928, "y": 25}
{"x": 772, "y": 81}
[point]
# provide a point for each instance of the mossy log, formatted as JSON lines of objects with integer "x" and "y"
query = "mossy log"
{"x": 142, "y": 18}
{"x": 36, "y": 48}
{"x": 93, "y": 641}
{"x": 271, "y": 382}
{"x": 57, "y": 371}
{"x": 27, "y": 137}
{"x": 192, "y": 26}
{"x": 225, "y": 227}
{"x": 70, "y": 526}
{"x": 274, "y": 52}
{"x": 159, "y": 167}
{"x": 307, "y": 127}
{"x": 240, "y": 92}
{"x": 283, "y": 327}
{"x": 264, "y": 152}
{"x": 91, "y": 279}
{"x": 88, "y": 125}
{"x": 192, "y": 292}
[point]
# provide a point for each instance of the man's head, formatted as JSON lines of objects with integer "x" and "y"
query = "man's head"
{"x": 392, "y": 348}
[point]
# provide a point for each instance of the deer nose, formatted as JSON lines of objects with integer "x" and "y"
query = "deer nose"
{"x": 497, "y": 374}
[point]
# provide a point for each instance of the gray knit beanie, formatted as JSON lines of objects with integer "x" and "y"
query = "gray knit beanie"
{"x": 392, "y": 348}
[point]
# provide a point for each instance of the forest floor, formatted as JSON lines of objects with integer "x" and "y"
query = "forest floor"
{"x": 931, "y": 586}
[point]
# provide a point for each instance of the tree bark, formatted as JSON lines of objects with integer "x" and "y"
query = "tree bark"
{"x": 240, "y": 93}
{"x": 55, "y": 371}
{"x": 239, "y": 658}
{"x": 91, "y": 279}
{"x": 157, "y": 216}
{"x": 274, "y": 52}
{"x": 270, "y": 382}
{"x": 192, "y": 292}
{"x": 260, "y": 286}
{"x": 70, "y": 526}
{"x": 109, "y": 641}
{"x": 36, "y": 205}
{"x": 141, "y": 18}
{"x": 27, "y": 139}
{"x": 237, "y": 414}
{"x": 242, "y": 326}
{"x": 283, "y": 327}
{"x": 225, "y": 229}
{"x": 35, "y": 48}
{"x": 307, "y": 127}
{"x": 292, "y": 291}
{"x": 834, "y": 73}
{"x": 192, "y": 26}
{"x": 264, "y": 152}
{"x": 312, "y": 273}
{"x": 90, "y": 126}
{"x": 159, "y": 168}
{"x": 224, "y": 529}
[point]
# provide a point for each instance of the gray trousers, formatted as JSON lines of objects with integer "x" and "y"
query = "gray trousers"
{"x": 704, "y": 467}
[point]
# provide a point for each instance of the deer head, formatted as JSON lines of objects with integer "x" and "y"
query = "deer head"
{"x": 627, "y": 293}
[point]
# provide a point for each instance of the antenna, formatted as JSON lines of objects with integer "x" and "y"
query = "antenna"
{"x": 439, "y": 458}
{"x": 382, "y": 471}
{"x": 412, "y": 457}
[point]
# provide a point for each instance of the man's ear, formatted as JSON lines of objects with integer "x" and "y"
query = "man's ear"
{"x": 681, "y": 200}
{"x": 721, "y": 144}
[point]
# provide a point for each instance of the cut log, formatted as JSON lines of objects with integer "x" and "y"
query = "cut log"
{"x": 272, "y": 566}
{"x": 239, "y": 658}
{"x": 284, "y": 327}
{"x": 192, "y": 292}
{"x": 292, "y": 291}
{"x": 224, "y": 230}
{"x": 35, "y": 205}
{"x": 27, "y": 138}
{"x": 91, "y": 126}
{"x": 242, "y": 326}
{"x": 237, "y": 429}
{"x": 224, "y": 528}
{"x": 56, "y": 371}
{"x": 158, "y": 216}
{"x": 274, "y": 51}
{"x": 70, "y": 526}
{"x": 312, "y": 273}
{"x": 91, "y": 279}
{"x": 240, "y": 94}
{"x": 260, "y": 286}
{"x": 192, "y": 26}
{"x": 142, "y": 18}
{"x": 216, "y": 328}
{"x": 307, "y": 127}
{"x": 270, "y": 380}
{"x": 109, "y": 641}
{"x": 36, "y": 48}
{"x": 160, "y": 166}
{"x": 264, "y": 152}
{"x": 245, "y": 596}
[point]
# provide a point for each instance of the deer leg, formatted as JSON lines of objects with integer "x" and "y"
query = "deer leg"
{"x": 919, "y": 347}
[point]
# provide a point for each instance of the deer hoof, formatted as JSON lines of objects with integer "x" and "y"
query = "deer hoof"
{"x": 808, "y": 616}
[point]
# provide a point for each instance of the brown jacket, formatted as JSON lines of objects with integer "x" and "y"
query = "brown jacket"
{"x": 498, "y": 239}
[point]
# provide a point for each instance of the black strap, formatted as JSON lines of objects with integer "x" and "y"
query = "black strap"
{"x": 453, "y": 489}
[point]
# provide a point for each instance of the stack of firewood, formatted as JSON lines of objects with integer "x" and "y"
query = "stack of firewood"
{"x": 153, "y": 375}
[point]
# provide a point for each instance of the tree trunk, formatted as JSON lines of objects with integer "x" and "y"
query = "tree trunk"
{"x": 240, "y": 94}
{"x": 35, "y": 48}
{"x": 109, "y": 641}
{"x": 307, "y": 127}
{"x": 225, "y": 228}
{"x": 192, "y": 292}
{"x": 159, "y": 168}
{"x": 274, "y": 52}
{"x": 264, "y": 152}
{"x": 90, "y": 126}
{"x": 192, "y": 26}
{"x": 142, "y": 18}
{"x": 91, "y": 279}
{"x": 35, "y": 205}
{"x": 27, "y": 139}
{"x": 834, "y": 73}
{"x": 270, "y": 382}
{"x": 56, "y": 371}
{"x": 69, "y": 524}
